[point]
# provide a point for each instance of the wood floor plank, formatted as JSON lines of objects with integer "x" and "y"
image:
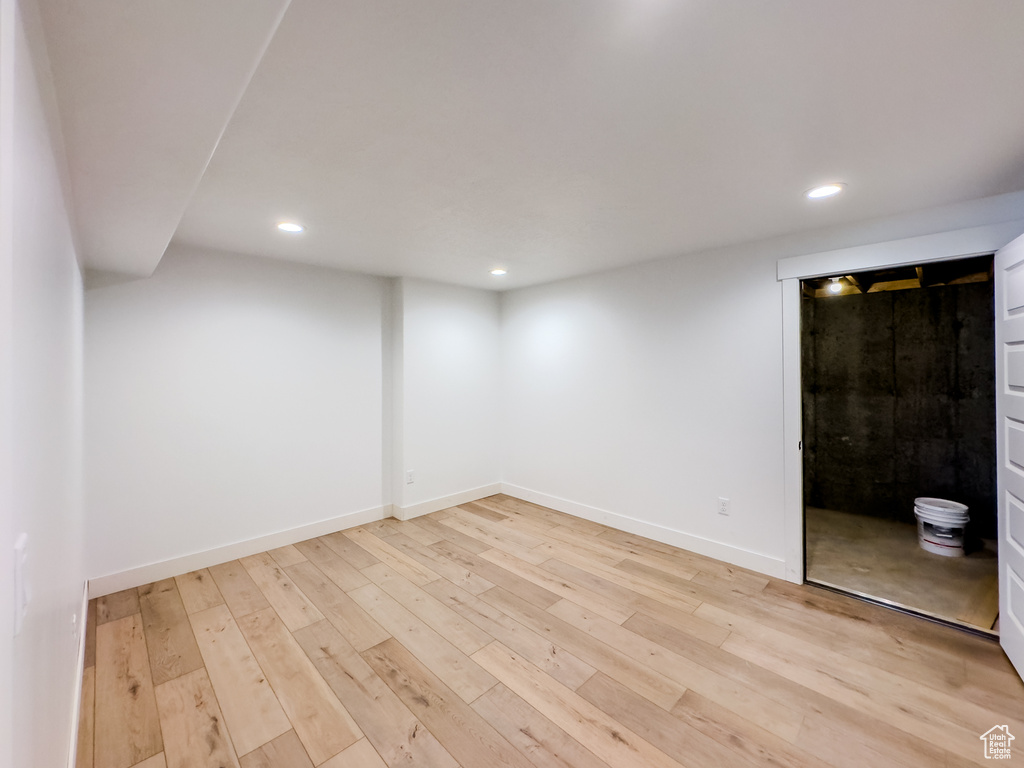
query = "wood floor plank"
{"x": 446, "y": 661}
{"x": 156, "y": 761}
{"x": 581, "y": 546}
{"x": 480, "y": 529}
{"x": 415, "y": 572}
{"x": 542, "y": 742}
{"x": 518, "y": 522}
{"x": 238, "y": 589}
{"x": 287, "y": 555}
{"x": 747, "y": 740}
{"x": 678, "y": 615}
{"x": 441, "y": 565}
{"x": 612, "y": 742}
{"x": 672, "y": 559}
{"x": 510, "y": 503}
{"x": 285, "y": 751}
{"x": 316, "y": 551}
{"x": 679, "y": 567}
{"x": 656, "y": 588}
{"x": 840, "y": 748}
{"x": 251, "y": 709}
{"x": 359, "y": 755}
{"x": 172, "y": 647}
{"x": 514, "y": 518}
{"x": 413, "y": 530}
{"x": 461, "y": 633}
{"x": 484, "y": 511}
{"x": 348, "y": 550}
{"x": 294, "y": 608}
{"x": 127, "y": 721}
{"x": 117, "y": 606}
{"x": 389, "y": 725}
{"x": 488, "y": 521}
{"x": 913, "y": 721}
{"x": 860, "y": 675}
{"x": 259, "y": 560}
{"x": 198, "y": 591}
{"x": 540, "y": 651}
{"x": 729, "y": 578}
{"x": 194, "y": 734}
{"x": 470, "y": 739}
{"x": 432, "y": 523}
{"x": 322, "y": 724}
{"x": 559, "y": 586}
{"x": 673, "y": 737}
{"x": 692, "y": 626}
{"x": 744, "y": 700}
{"x": 497, "y": 575}
{"x": 610, "y": 650}
{"x": 379, "y": 528}
{"x": 669, "y": 558}
{"x": 812, "y": 615}
{"x": 86, "y": 720}
{"x": 337, "y": 569}
{"x": 333, "y": 566}
{"x": 356, "y": 625}
{"x": 885, "y": 630}
{"x": 968, "y": 666}
{"x": 637, "y": 676}
{"x": 860, "y": 726}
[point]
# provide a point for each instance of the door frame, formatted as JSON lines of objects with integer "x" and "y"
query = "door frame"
{"x": 944, "y": 246}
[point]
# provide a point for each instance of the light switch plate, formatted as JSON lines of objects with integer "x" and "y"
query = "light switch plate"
{"x": 21, "y": 590}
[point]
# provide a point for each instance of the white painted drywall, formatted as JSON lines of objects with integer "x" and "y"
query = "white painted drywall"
{"x": 7, "y": 43}
{"x": 449, "y": 397}
{"x": 641, "y": 395}
{"x": 41, "y": 427}
{"x": 651, "y": 391}
{"x": 227, "y": 398}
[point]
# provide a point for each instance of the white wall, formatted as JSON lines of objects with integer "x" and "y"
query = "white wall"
{"x": 649, "y": 392}
{"x": 7, "y": 43}
{"x": 40, "y": 431}
{"x": 447, "y": 393}
{"x": 639, "y": 396}
{"x": 228, "y": 398}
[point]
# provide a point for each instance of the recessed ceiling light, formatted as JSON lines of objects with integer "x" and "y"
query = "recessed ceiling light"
{"x": 290, "y": 226}
{"x": 825, "y": 190}
{"x": 499, "y": 272}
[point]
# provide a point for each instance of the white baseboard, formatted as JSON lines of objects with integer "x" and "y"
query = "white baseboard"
{"x": 76, "y": 706}
{"x": 136, "y": 577}
{"x": 744, "y": 558}
{"x": 436, "y": 505}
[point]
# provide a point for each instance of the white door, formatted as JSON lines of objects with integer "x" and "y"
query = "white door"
{"x": 1009, "y": 301}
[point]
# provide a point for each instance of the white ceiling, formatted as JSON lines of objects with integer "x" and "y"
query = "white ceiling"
{"x": 554, "y": 137}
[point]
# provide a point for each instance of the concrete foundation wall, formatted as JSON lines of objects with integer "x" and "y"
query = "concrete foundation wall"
{"x": 899, "y": 401}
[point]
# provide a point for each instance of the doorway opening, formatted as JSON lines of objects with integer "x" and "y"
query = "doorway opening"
{"x": 898, "y": 405}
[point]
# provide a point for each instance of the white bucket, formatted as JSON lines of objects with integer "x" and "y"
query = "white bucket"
{"x": 940, "y": 526}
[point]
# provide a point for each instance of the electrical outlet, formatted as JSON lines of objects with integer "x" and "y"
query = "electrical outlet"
{"x": 723, "y": 505}
{"x": 410, "y": 477}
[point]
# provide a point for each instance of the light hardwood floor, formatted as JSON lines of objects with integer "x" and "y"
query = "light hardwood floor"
{"x": 500, "y": 633}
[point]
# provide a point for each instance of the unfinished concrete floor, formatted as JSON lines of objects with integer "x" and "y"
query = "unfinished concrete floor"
{"x": 881, "y": 559}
